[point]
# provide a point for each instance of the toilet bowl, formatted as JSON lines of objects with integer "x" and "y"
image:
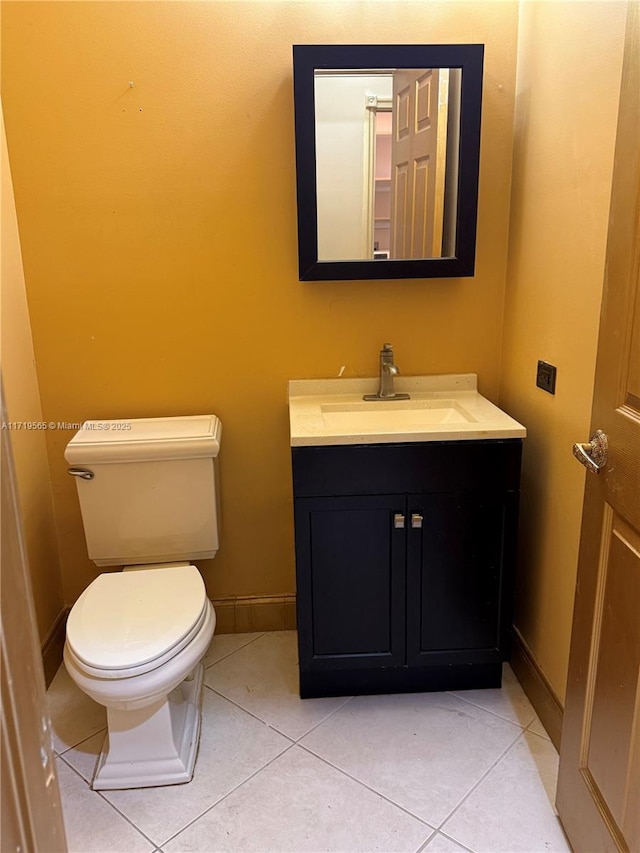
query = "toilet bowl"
{"x": 136, "y": 638}
{"x": 150, "y": 681}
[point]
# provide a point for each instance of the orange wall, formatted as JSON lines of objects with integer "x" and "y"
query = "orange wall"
{"x": 158, "y": 229}
{"x": 22, "y": 401}
{"x": 569, "y": 68}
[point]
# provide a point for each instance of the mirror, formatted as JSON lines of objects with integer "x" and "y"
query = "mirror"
{"x": 387, "y": 154}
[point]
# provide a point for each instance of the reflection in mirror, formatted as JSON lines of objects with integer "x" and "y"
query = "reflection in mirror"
{"x": 387, "y": 155}
{"x": 386, "y": 183}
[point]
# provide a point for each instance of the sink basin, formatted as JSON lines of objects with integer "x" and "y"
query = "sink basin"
{"x": 440, "y": 408}
{"x": 395, "y": 414}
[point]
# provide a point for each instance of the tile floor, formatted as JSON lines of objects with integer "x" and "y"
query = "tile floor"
{"x": 433, "y": 772}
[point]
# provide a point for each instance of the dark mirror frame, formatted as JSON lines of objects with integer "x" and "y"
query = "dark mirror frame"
{"x": 308, "y": 58}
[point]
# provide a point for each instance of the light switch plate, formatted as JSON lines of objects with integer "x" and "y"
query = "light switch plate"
{"x": 546, "y": 377}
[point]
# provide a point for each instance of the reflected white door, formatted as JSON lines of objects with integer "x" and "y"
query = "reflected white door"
{"x": 417, "y": 198}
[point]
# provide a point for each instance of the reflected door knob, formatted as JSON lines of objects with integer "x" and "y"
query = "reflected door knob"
{"x": 594, "y": 454}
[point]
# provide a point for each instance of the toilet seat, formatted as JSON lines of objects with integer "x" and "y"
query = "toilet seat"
{"x": 128, "y": 623}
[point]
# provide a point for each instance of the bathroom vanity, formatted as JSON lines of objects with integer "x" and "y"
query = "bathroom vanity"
{"x": 405, "y": 527}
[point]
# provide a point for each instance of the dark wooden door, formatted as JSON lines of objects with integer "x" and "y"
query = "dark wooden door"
{"x": 350, "y": 554}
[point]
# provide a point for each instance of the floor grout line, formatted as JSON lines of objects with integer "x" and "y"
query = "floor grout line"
{"x": 250, "y": 713}
{"x": 328, "y": 717}
{"x": 522, "y": 726}
{"x": 75, "y": 770}
{"x": 368, "y": 787}
{"x": 529, "y": 730}
{"x": 82, "y": 740}
{"x": 449, "y": 838}
{"x": 228, "y": 794}
{"x": 233, "y": 651}
{"x": 272, "y": 727}
{"x": 111, "y": 805}
{"x": 428, "y": 841}
{"x": 480, "y": 781}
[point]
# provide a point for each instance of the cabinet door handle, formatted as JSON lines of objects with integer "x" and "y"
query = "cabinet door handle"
{"x": 398, "y": 520}
{"x": 416, "y": 519}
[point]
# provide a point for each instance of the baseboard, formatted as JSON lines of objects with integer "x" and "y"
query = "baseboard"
{"x": 53, "y": 646}
{"x": 537, "y": 687}
{"x": 240, "y": 613}
{"x": 234, "y": 615}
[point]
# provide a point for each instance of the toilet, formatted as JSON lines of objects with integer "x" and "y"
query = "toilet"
{"x": 136, "y": 637}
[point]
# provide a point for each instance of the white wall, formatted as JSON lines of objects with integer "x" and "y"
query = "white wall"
{"x": 341, "y": 171}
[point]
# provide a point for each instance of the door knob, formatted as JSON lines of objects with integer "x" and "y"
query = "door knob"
{"x": 398, "y": 520}
{"x": 593, "y": 455}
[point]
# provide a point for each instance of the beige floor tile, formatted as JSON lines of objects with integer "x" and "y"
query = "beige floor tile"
{"x": 252, "y": 790}
{"x": 225, "y": 644}
{"x": 263, "y": 678}
{"x": 91, "y": 824}
{"x": 512, "y": 810}
{"x": 509, "y": 701}
{"x": 298, "y": 803}
{"x": 163, "y": 811}
{"x": 423, "y": 751}
{"x": 233, "y": 745}
{"x": 74, "y": 716}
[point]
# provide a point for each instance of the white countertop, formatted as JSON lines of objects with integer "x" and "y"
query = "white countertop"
{"x": 442, "y": 408}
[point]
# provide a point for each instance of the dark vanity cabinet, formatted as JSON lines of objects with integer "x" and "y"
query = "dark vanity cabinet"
{"x": 405, "y": 560}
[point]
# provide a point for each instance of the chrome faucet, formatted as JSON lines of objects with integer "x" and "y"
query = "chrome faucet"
{"x": 388, "y": 369}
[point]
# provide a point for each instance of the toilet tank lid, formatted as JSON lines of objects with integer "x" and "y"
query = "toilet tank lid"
{"x": 145, "y": 439}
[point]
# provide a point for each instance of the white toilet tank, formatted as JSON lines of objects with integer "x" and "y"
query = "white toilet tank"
{"x": 153, "y": 496}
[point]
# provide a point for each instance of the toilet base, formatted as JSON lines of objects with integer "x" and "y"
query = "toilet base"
{"x": 155, "y": 745}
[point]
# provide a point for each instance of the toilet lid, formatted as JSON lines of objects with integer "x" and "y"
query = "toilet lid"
{"x": 125, "y": 619}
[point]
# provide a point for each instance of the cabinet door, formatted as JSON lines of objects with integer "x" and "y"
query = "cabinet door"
{"x": 459, "y": 577}
{"x": 350, "y": 557}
